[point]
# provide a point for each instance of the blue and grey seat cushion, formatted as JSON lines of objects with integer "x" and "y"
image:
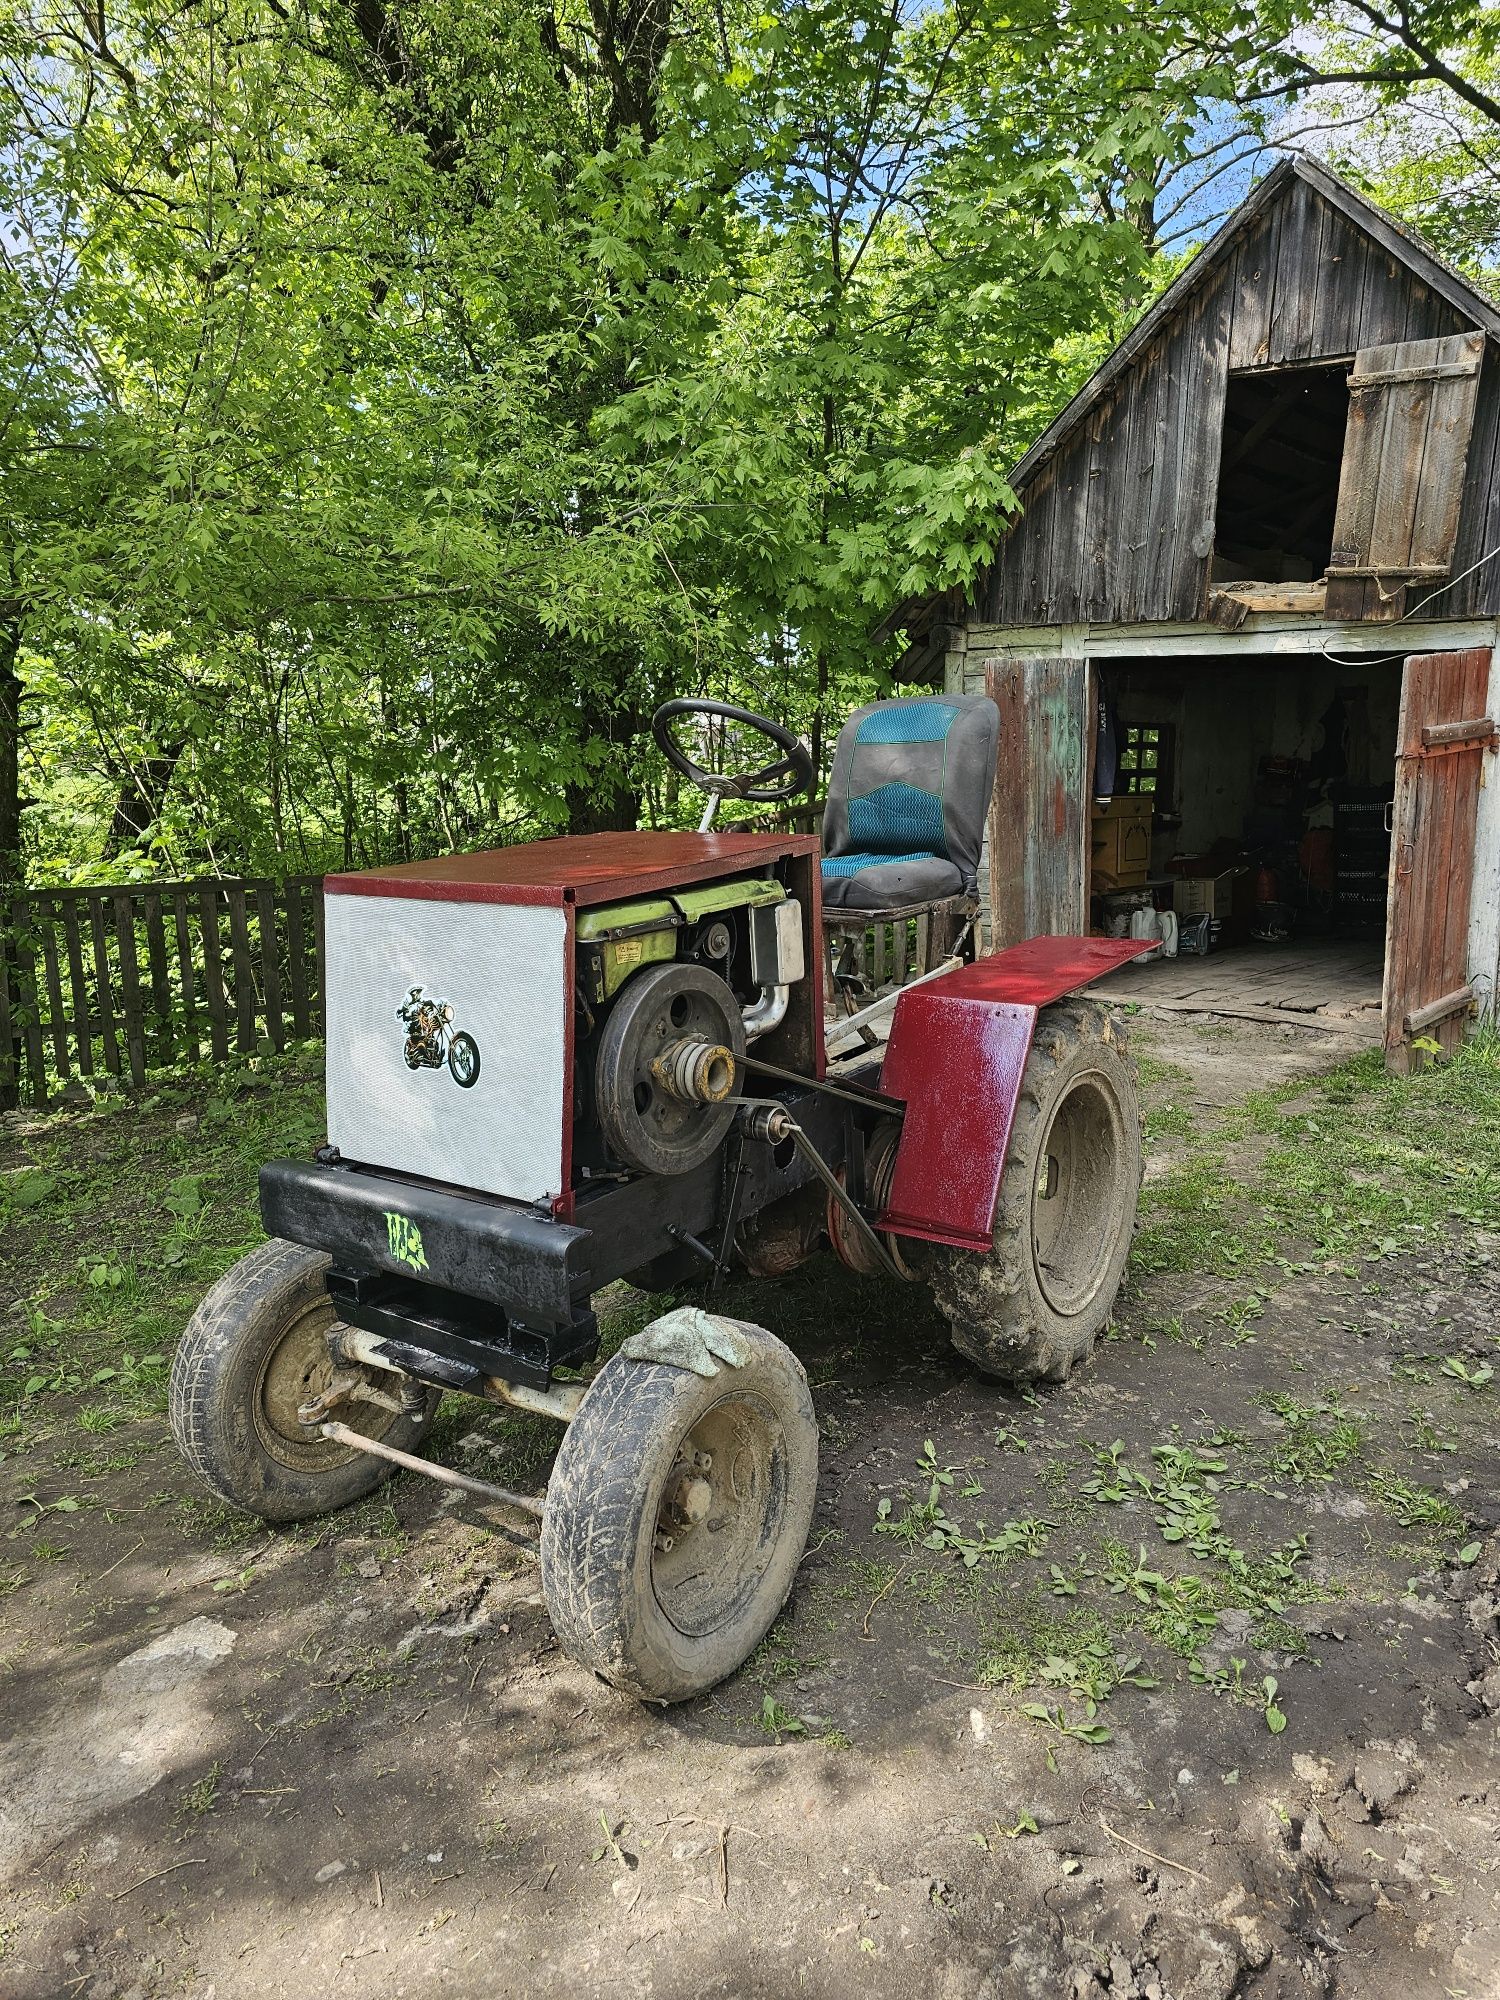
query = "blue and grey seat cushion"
{"x": 907, "y": 799}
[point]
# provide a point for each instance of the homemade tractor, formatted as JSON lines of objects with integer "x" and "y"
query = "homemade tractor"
{"x": 636, "y": 1023}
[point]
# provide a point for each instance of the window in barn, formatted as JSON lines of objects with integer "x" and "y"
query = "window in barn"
{"x": 1144, "y": 768}
{"x": 1279, "y": 474}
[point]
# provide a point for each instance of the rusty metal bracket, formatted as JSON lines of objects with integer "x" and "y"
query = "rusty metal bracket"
{"x": 1445, "y": 739}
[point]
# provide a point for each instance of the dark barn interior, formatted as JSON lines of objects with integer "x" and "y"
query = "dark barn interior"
{"x": 1263, "y": 790}
{"x": 1279, "y": 473}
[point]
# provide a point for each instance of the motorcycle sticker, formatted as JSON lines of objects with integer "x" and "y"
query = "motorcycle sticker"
{"x": 432, "y": 1040}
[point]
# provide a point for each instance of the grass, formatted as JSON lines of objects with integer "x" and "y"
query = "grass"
{"x": 114, "y": 1224}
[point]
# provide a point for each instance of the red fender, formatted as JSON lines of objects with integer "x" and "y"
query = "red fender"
{"x": 956, "y": 1056}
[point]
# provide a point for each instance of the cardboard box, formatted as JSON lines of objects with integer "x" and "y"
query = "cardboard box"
{"x": 1212, "y": 895}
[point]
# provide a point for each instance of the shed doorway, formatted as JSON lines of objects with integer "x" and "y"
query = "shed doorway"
{"x": 1247, "y": 803}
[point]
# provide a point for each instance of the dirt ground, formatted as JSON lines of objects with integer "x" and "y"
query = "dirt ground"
{"x": 1178, "y": 1682}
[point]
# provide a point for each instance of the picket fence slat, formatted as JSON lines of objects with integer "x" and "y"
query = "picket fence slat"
{"x": 244, "y": 976}
{"x": 192, "y": 1046}
{"x": 131, "y": 978}
{"x": 83, "y": 1019}
{"x": 56, "y": 1018}
{"x": 213, "y": 973}
{"x": 296, "y": 950}
{"x": 163, "y": 1036}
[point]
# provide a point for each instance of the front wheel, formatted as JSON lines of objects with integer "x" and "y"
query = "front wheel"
{"x": 255, "y": 1351}
{"x": 463, "y": 1060}
{"x": 677, "y": 1513}
{"x": 1033, "y": 1308}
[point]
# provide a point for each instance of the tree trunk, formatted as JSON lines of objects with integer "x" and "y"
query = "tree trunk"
{"x": 10, "y": 838}
{"x": 610, "y": 805}
{"x": 138, "y": 803}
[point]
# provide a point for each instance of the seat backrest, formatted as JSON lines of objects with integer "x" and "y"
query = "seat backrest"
{"x": 914, "y": 776}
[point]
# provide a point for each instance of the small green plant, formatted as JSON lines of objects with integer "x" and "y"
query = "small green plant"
{"x": 1275, "y": 1719}
{"x": 1477, "y": 1375}
{"x": 778, "y": 1721}
{"x": 1025, "y": 1823}
{"x": 1320, "y": 1438}
{"x": 1066, "y": 1728}
{"x": 1416, "y": 1506}
{"x": 200, "y": 1798}
{"x": 926, "y": 1523}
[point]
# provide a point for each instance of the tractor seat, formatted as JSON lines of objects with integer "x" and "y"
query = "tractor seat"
{"x": 907, "y": 799}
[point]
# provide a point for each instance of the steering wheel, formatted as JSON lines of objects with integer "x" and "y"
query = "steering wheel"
{"x": 794, "y": 767}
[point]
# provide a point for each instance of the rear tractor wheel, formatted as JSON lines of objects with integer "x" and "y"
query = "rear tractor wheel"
{"x": 1033, "y": 1309}
{"x": 254, "y": 1353}
{"x": 678, "y": 1509}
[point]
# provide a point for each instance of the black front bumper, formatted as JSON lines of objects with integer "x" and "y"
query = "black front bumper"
{"x": 488, "y": 1287}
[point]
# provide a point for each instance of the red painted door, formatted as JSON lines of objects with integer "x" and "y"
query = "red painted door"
{"x": 1443, "y": 742}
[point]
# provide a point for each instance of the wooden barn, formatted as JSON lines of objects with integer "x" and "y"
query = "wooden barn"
{"x": 1241, "y": 633}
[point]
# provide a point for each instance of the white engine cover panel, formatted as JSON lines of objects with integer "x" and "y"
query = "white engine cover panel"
{"x": 502, "y": 968}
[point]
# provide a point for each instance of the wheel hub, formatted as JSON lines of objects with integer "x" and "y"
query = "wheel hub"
{"x": 718, "y": 1515}
{"x": 299, "y": 1372}
{"x": 1082, "y": 1156}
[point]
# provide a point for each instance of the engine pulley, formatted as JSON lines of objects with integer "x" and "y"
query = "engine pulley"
{"x": 668, "y": 1062}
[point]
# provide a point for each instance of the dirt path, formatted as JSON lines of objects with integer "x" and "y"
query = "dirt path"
{"x": 1178, "y": 1683}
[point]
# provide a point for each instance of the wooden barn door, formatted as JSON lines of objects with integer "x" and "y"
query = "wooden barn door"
{"x": 1443, "y": 741}
{"x": 1411, "y": 414}
{"x": 1039, "y": 816}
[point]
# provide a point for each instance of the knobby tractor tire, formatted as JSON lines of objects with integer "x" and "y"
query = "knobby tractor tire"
{"x": 253, "y": 1351}
{"x": 657, "y": 1603}
{"x": 1033, "y": 1308}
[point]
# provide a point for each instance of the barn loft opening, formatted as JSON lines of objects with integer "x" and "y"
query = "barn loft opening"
{"x": 1279, "y": 463}
{"x": 1255, "y": 806}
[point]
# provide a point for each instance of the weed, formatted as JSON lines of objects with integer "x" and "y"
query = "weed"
{"x": 926, "y": 1524}
{"x": 1025, "y": 1823}
{"x": 1066, "y": 1728}
{"x": 1320, "y": 1438}
{"x": 778, "y": 1721}
{"x": 1416, "y": 1506}
{"x": 1476, "y": 1375}
{"x": 200, "y": 1798}
{"x": 1424, "y": 1433}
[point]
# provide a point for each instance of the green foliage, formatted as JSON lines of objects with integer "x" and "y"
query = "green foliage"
{"x": 390, "y": 419}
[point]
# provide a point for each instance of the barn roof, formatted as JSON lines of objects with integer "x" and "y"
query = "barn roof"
{"x": 923, "y": 616}
{"x": 1392, "y": 236}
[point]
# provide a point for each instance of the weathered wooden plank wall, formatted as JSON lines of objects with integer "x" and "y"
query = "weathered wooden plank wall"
{"x": 133, "y": 978}
{"x": 1038, "y": 825}
{"x": 1118, "y": 522}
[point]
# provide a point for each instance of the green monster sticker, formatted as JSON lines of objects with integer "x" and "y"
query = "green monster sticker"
{"x": 405, "y": 1240}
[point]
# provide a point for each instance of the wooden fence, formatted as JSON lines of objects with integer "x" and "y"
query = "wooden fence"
{"x": 124, "y": 980}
